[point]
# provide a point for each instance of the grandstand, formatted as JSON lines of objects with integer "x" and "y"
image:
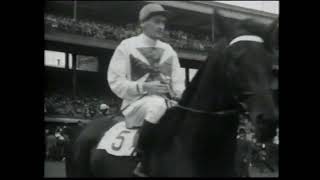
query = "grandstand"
{"x": 95, "y": 28}
{"x": 80, "y": 37}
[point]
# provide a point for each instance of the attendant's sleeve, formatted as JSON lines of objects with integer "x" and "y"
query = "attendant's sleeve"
{"x": 178, "y": 77}
{"x": 118, "y": 75}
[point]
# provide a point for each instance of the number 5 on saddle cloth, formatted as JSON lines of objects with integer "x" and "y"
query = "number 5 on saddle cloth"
{"x": 119, "y": 140}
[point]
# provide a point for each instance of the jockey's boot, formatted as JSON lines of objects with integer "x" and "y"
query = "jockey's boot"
{"x": 143, "y": 149}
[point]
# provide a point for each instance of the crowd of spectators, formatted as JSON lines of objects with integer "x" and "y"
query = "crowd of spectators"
{"x": 56, "y": 142}
{"x": 177, "y": 38}
{"x": 87, "y": 107}
{"x": 263, "y": 156}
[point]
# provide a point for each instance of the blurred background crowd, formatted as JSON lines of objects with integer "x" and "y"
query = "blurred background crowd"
{"x": 176, "y": 38}
{"x": 87, "y": 107}
{"x": 250, "y": 153}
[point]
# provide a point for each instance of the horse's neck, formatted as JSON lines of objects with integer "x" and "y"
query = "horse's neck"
{"x": 192, "y": 130}
{"x": 212, "y": 93}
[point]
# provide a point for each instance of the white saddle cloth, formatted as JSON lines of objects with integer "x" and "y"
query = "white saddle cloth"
{"x": 119, "y": 140}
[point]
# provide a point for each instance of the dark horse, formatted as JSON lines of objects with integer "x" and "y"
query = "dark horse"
{"x": 198, "y": 142}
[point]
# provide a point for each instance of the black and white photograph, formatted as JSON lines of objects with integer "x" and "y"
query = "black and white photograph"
{"x": 161, "y": 89}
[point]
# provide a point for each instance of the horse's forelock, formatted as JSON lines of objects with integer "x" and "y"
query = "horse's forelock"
{"x": 254, "y": 27}
{"x": 231, "y": 28}
{"x": 269, "y": 33}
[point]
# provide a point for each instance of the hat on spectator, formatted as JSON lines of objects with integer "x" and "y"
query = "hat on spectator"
{"x": 104, "y": 107}
{"x": 150, "y": 10}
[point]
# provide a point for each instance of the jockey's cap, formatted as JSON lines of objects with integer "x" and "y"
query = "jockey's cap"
{"x": 150, "y": 10}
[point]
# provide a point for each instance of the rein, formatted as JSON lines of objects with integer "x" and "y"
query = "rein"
{"x": 212, "y": 113}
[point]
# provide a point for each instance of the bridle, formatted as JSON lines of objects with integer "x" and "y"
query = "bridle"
{"x": 222, "y": 113}
{"x": 242, "y": 107}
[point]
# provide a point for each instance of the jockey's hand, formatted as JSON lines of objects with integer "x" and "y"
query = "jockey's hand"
{"x": 172, "y": 103}
{"x": 155, "y": 88}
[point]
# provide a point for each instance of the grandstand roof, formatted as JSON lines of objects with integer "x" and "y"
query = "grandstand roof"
{"x": 194, "y": 15}
{"x": 228, "y": 10}
{"x": 123, "y": 12}
{"x": 233, "y": 5}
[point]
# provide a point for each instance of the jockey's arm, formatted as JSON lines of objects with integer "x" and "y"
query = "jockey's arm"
{"x": 177, "y": 80}
{"x": 117, "y": 76}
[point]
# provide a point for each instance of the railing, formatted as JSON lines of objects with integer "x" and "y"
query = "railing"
{"x": 65, "y": 120}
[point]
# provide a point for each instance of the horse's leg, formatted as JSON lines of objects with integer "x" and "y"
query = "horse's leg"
{"x": 103, "y": 164}
{"x": 87, "y": 140}
{"x": 80, "y": 160}
{"x": 68, "y": 161}
{"x": 171, "y": 161}
{"x": 81, "y": 153}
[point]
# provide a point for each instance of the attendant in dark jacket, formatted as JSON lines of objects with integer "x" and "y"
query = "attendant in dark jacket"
{"x": 243, "y": 155}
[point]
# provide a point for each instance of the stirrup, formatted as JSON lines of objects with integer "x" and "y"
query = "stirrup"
{"x": 137, "y": 171}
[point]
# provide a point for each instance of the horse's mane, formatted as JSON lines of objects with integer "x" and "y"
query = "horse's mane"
{"x": 193, "y": 87}
{"x": 173, "y": 118}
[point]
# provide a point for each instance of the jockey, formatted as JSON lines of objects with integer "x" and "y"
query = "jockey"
{"x": 142, "y": 71}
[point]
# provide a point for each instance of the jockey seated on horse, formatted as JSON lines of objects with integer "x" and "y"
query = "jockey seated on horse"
{"x": 143, "y": 71}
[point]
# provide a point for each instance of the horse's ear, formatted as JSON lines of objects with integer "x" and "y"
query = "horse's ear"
{"x": 272, "y": 35}
{"x": 218, "y": 18}
{"x": 255, "y": 27}
{"x": 220, "y": 23}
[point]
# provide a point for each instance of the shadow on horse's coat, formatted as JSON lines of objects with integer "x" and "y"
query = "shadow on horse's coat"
{"x": 190, "y": 144}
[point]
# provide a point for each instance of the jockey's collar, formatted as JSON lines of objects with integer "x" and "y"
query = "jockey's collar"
{"x": 246, "y": 38}
{"x": 148, "y": 41}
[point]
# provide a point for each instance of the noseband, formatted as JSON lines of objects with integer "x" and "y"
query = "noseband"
{"x": 241, "y": 108}
{"x": 246, "y": 38}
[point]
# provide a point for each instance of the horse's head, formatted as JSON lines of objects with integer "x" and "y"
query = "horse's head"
{"x": 249, "y": 64}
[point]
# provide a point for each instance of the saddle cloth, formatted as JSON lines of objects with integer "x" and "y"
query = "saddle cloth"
{"x": 119, "y": 140}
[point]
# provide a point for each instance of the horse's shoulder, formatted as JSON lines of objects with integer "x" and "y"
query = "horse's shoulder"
{"x": 169, "y": 124}
{"x": 96, "y": 129}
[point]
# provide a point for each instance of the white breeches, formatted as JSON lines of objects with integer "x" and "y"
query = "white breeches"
{"x": 149, "y": 108}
